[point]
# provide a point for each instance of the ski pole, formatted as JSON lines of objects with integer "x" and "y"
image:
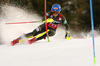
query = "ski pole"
{"x": 23, "y": 22}
{"x": 80, "y": 37}
{"x": 47, "y": 20}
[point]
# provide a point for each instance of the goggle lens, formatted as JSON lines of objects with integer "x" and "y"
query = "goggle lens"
{"x": 55, "y": 12}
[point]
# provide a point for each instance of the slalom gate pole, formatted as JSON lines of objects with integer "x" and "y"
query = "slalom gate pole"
{"x": 46, "y": 20}
{"x": 92, "y": 26}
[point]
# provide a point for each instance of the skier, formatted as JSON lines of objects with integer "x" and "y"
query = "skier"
{"x": 40, "y": 32}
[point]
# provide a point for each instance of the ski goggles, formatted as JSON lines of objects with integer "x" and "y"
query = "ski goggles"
{"x": 55, "y": 12}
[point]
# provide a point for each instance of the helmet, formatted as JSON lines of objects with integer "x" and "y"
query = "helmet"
{"x": 56, "y": 7}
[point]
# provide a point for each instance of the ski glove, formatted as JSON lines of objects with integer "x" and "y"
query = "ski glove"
{"x": 49, "y": 20}
{"x": 67, "y": 35}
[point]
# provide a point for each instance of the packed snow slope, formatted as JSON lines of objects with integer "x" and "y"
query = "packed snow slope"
{"x": 57, "y": 52}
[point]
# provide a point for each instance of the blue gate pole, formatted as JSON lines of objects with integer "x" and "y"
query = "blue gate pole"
{"x": 92, "y": 26}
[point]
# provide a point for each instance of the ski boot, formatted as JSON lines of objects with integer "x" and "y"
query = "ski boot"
{"x": 14, "y": 42}
{"x": 32, "y": 40}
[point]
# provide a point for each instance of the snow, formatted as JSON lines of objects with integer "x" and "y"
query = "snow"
{"x": 75, "y": 52}
{"x": 57, "y": 52}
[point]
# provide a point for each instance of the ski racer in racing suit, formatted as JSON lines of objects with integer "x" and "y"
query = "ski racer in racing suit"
{"x": 40, "y": 32}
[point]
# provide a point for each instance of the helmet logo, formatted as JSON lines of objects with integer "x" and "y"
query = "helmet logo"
{"x": 55, "y": 8}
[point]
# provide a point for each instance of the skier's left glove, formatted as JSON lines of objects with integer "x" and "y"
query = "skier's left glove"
{"x": 49, "y": 20}
{"x": 67, "y": 35}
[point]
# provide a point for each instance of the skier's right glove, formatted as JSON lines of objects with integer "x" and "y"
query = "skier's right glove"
{"x": 67, "y": 35}
{"x": 49, "y": 20}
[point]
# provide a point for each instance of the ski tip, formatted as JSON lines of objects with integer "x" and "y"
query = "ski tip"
{"x": 12, "y": 43}
{"x": 29, "y": 42}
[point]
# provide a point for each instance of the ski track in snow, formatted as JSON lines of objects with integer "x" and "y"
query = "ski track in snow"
{"x": 57, "y": 52}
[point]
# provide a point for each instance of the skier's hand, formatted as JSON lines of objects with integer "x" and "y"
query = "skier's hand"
{"x": 67, "y": 35}
{"x": 49, "y": 20}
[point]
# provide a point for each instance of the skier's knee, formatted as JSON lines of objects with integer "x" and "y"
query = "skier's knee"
{"x": 38, "y": 29}
{"x": 51, "y": 33}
